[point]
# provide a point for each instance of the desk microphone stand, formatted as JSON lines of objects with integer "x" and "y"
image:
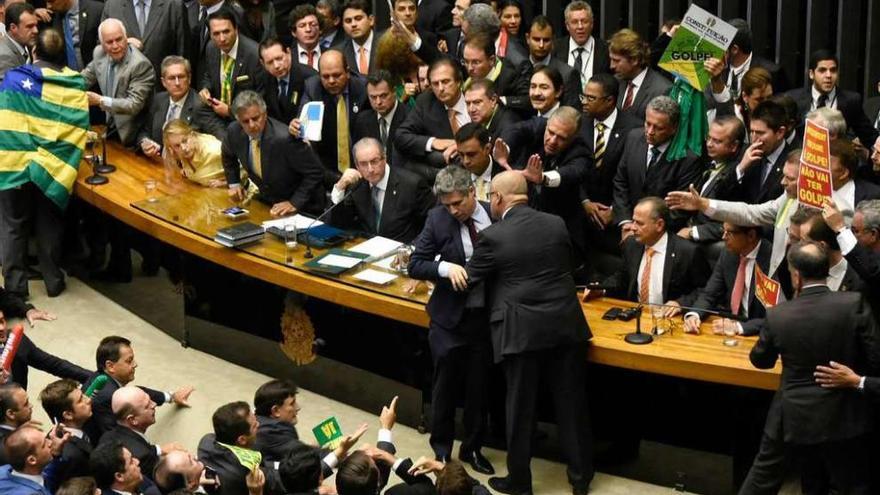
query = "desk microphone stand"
{"x": 637, "y": 337}
{"x": 96, "y": 179}
{"x": 104, "y": 167}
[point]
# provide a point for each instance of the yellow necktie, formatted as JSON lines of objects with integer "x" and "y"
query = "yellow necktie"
{"x": 256, "y": 158}
{"x": 342, "y": 137}
{"x": 226, "y": 82}
{"x": 482, "y": 194}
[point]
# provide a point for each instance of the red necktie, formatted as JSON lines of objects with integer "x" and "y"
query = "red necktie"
{"x": 472, "y": 231}
{"x": 739, "y": 285}
{"x": 628, "y": 100}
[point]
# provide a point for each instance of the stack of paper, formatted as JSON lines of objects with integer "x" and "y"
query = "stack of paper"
{"x": 375, "y": 276}
{"x": 301, "y": 222}
{"x": 377, "y": 248}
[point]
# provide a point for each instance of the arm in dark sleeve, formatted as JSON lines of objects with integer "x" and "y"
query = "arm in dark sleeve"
{"x": 517, "y": 95}
{"x": 571, "y": 90}
{"x": 421, "y": 264}
{"x": 428, "y": 53}
{"x": 231, "y": 166}
{"x": 621, "y": 207}
{"x": 710, "y": 232}
{"x": 862, "y": 125}
{"x": 13, "y": 306}
{"x": 482, "y": 262}
{"x": 867, "y": 332}
{"x": 753, "y": 326}
{"x": 412, "y": 137}
{"x": 54, "y": 365}
{"x": 310, "y": 169}
{"x": 872, "y": 386}
{"x": 864, "y": 262}
{"x": 155, "y": 395}
{"x": 419, "y": 485}
{"x": 765, "y": 353}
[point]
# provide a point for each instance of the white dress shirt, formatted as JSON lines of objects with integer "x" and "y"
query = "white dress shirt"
{"x": 836, "y": 274}
{"x": 845, "y": 198}
{"x": 303, "y": 55}
{"x": 658, "y": 261}
{"x": 637, "y": 84}
{"x": 831, "y": 102}
{"x": 586, "y": 58}
{"x": 336, "y": 195}
{"x": 367, "y": 46}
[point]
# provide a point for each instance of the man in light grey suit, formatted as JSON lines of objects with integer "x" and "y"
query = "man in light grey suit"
{"x": 125, "y": 78}
{"x": 21, "y": 33}
{"x": 157, "y": 27}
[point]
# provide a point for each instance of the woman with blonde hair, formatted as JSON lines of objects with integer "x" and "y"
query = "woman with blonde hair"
{"x": 196, "y": 155}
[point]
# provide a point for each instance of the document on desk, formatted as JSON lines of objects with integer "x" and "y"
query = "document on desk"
{"x": 375, "y": 276}
{"x": 377, "y": 248}
{"x": 339, "y": 261}
{"x": 311, "y": 119}
{"x": 301, "y": 222}
{"x": 385, "y": 262}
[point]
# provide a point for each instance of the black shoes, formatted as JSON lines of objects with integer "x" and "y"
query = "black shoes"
{"x": 476, "y": 460}
{"x": 504, "y": 485}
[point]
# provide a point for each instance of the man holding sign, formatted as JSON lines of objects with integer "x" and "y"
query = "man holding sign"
{"x": 828, "y": 426}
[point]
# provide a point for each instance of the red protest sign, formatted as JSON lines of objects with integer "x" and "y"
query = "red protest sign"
{"x": 766, "y": 289}
{"x": 814, "y": 176}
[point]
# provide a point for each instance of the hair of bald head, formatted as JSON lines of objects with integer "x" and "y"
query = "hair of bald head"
{"x": 568, "y": 115}
{"x": 123, "y": 401}
{"x": 108, "y": 23}
{"x": 510, "y": 183}
{"x": 20, "y": 444}
{"x": 169, "y": 470}
{"x": 330, "y": 56}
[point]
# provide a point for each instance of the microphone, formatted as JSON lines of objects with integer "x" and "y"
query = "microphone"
{"x": 97, "y": 384}
{"x": 715, "y": 312}
{"x": 308, "y": 254}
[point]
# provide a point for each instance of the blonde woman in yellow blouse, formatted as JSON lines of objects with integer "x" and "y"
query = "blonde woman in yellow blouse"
{"x": 196, "y": 155}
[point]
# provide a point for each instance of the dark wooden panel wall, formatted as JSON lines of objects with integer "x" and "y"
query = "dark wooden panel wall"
{"x": 784, "y": 30}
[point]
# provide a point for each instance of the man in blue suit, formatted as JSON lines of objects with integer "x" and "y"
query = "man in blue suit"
{"x": 458, "y": 336}
{"x": 29, "y": 451}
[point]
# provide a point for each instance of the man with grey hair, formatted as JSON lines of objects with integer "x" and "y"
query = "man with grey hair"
{"x": 559, "y": 166}
{"x": 291, "y": 181}
{"x": 581, "y": 50}
{"x": 395, "y": 203}
{"x": 178, "y": 101}
{"x": 125, "y": 78}
{"x": 860, "y": 244}
{"x": 831, "y": 119}
{"x": 645, "y": 170}
{"x": 482, "y": 18}
{"x": 458, "y": 334}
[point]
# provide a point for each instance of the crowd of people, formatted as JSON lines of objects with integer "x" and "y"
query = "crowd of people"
{"x": 518, "y": 162}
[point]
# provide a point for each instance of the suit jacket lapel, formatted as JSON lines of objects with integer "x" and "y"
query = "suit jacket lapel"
{"x": 130, "y": 17}
{"x": 668, "y": 264}
{"x": 389, "y": 203}
{"x": 157, "y": 9}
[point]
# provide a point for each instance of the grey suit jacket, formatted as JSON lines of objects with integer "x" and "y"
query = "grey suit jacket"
{"x": 10, "y": 56}
{"x": 135, "y": 79}
{"x": 165, "y": 32}
{"x": 653, "y": 85}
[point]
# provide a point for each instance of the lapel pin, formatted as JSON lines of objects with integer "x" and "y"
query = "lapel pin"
{"x": 84, "y": 15}
{"x": 354, "y": 108}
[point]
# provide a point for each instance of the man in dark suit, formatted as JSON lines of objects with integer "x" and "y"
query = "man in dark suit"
{"x": 872, "y": 110}
{"x": 78, "y": 22}
{"x": 285, "y": 84}
{"x": 644, "y": 169}
{"x": 115, "y": 469}
{"x": 290, "y": 181}
{"x": 540, "y": 44}
{"x": 824, "y": 91}
{"x": 384, "y": 116}
{"x": 828, "y": 426}
{"x": 639, "y": 83}
{"x": 759, "y": 171}
{"x": 485, "y": 108}
{"x": 718, "y": 181}
{"x": 66, "y": 403}
{"x": 474, "y": 150}
{"x": 678, "y": 269}
{"x": 537, "y": 328}
{"x": 393, "y": 206}
{"x": 135, "y": 412}
{"x": 200, "y": 35}
{"x": 841, "y": 276}
{"x": 435, "y": 16}
{"x": 330, "y": 15}
{"x": 741, "y": 58}
{"x": 603, "y": 131}
{"x": 582, "y": 51}
{"x": 232, "y": 64}
{"x": 406, "y": 14}
{"x": 178, "y": 101}
{"x": 21, "y": 34}
{"x": 305, "y": 26}
{"x": 731, "y": 287}
{"x": 157, "y": 28}
{"x": 29, "y": 354}
{"x": 236, "y": 425}
{"x": 458, "y": 338}
{"x": 360, "y": 46}
{"x": 344, "y": 95}
{"x": 15, "y": 411}
{"x": 860, "y": 244}
{"x": 429, "y": 128}
{"x": 116, "y": 363}
{"x": 849, "y": 190}
{"x": 511, "y": 81}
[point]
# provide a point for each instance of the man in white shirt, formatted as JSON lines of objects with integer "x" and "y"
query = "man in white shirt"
{"x": 360, "y": 48}
{"x": 580, "y": 50}
{"x": 629, "y": 60}
{"x": 475, "y": 149}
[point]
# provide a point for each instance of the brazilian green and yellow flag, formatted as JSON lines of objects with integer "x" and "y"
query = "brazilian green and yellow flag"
{"x": 44, "y": 118}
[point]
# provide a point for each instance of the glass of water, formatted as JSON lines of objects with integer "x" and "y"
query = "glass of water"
{"x": 150, "y": 189}
{"x": 290, "y": 242}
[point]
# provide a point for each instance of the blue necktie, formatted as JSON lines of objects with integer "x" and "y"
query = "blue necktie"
{"x": 69, "y": 47}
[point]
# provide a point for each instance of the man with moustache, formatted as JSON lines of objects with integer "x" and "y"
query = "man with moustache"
{"x": 485, "y": 108}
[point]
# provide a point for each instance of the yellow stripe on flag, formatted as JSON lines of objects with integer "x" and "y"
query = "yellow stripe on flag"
{"x": 50, "y": 130}
{"x": 15, "y": 161}
{"x": 65, "y": 97}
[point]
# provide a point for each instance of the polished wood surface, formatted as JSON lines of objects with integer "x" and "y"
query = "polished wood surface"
{"x": 192, "y": 226}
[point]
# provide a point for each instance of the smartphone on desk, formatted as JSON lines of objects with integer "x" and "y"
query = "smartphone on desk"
{"x": 235, "y": 212}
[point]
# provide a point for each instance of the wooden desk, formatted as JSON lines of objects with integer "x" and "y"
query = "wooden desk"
{"x": 699, "y": 357}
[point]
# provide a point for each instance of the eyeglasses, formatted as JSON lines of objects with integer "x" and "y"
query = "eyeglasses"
{"x": 176, "y": 78}
{"x": 591, "y": 98}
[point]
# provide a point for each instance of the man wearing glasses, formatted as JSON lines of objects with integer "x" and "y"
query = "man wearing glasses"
{"x": 178, "y": 101}
{"x": 395, "y": 203}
